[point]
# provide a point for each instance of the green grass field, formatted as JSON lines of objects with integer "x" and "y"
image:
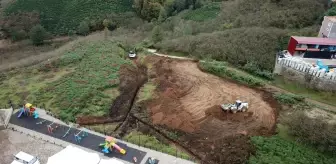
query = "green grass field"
{"x": 85, "y": 82}
{"x": 153, "y": 143}
{"x": 323, "y": 97}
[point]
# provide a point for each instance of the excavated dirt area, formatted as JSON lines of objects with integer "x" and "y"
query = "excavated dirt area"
{"x": 189, "y": 101}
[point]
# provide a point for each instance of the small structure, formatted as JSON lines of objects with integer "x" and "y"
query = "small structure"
{"x": 328, "y": 27}
{"x": 312, "y": 47}
{"x": 110, "y": 144}
{"x": 24, "y": 158}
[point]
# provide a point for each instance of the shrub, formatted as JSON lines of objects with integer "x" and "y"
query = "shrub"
{"x": 17, "y": 26}
{"x": 147, "y": 9}
{"x": 221, "y": 70}
{"x": 204, "y": 13}
{"x": 237, "y": 46}
{"x": 18, "y": 35}
{"x": 274, "y": 150}
{"x": 255, "y": 70}
{"x": 83, "y": 28}
{"x": 38, "y": 34}
{"x": 157, "y": 34}
{"x": 162, "y": 15}
{"x": 289, "y": 99}
{"x": 314, "y": 131}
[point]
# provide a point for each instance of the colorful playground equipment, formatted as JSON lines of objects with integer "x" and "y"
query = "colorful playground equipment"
{"x": 28, "y": 110}
{"x": 109, "y": 144}
{"x": 79, "y": 137}
{"x": 322, "y": 66}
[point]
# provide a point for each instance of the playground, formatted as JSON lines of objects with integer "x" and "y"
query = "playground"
{"x": 80, "y": 137}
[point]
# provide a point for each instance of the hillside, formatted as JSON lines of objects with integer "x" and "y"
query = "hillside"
{"x": 242, "y": 31}
{"x": 62, "y": 16}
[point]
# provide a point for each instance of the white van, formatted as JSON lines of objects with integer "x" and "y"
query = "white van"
{"x": 24, "y": 158}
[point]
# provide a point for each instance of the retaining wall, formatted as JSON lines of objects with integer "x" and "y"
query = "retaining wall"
{"x": 303, "y": 73}
{"x": 6, "y": 116}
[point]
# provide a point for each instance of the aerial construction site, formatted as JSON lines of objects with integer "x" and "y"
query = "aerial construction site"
{"x": 187, "y": 101}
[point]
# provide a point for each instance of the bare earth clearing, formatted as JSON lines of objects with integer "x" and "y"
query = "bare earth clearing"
{"x": 189, "y": 101}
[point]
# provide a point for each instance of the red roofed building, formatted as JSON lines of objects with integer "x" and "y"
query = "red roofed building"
{"x": 312, "y": 46}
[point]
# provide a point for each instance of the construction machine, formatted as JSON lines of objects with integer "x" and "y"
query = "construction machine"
{"x": 239, "y": 106}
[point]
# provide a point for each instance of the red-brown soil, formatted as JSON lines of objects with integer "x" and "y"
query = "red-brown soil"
{"x": 189, "y": 101}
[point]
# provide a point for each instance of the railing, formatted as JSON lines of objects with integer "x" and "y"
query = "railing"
{"x": 306, "y": 68}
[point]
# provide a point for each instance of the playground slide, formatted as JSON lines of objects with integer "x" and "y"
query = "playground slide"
{"x": 122, "y": 151}
{"x": 20, "y": 114}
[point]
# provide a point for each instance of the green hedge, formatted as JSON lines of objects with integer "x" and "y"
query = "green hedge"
{"x": 220, "y": 69}
{"x": 289, "y": 99}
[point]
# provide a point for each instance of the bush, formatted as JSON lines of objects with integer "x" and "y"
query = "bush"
{"x": 204, "y": 13}
{"x": 275, "y": 150}
{"x": 289, "y": 99}
{"x": 83, "y": 28}
{"x": 38, "y": 34}
{"x": 219, "y": 69}
{"x": 255, "y": 70}
{"x": 314, "y": 131}
{"x": 237, "y": 46}
{"x": 157, "y": 35}
{"x": 17, "y": 26}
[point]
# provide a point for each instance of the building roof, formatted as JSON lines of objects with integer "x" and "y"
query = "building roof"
{"x": 24, "y": 156}
{"x": 314, "y": 40}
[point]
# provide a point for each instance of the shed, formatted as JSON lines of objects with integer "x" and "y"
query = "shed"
{"x": 311, "y": 44}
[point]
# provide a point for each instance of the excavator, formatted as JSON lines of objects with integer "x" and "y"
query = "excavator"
{"x": 238, "y": 106}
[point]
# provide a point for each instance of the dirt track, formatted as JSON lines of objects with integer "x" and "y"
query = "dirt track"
{"x": 189, "y": 101}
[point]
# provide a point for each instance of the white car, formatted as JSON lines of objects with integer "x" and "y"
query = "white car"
{"x": 24, "y": 158}
{"x": 132, "y": 54}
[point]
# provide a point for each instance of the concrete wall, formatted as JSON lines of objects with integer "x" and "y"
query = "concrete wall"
{"x": 6, "y": 115}
{"x": 303, "y": 73}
